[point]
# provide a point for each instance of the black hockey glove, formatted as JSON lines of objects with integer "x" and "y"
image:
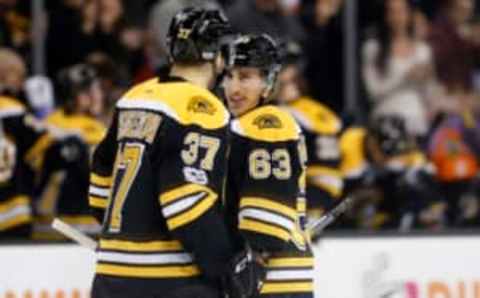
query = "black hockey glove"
{"x": 245, "y": 276}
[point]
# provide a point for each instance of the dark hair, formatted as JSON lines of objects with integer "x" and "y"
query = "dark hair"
{"x": 384, "y": 36}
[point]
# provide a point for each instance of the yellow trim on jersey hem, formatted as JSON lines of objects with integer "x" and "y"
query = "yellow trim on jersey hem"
{"x": 290, "y": 262}
{"x": 193, "y": 213}
{"x": 182, "y": 191}
{"x": 148, "y": 272}
{"x": 147, "y": 246}
{"x": 103, "y": 181}
{"x": 14, "y": 202}
{"x": 97, "y": 202}
{"x": 16, "y": 221}
{"x": 259, "y": 227}
{"x": 270, "y": 205}
{"x": 286, "y": 287}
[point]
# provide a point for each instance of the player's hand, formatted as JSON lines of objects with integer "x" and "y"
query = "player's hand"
{"x": 246, "y": 273}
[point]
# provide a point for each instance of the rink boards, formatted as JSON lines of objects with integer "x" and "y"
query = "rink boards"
{"x": 346, "y": 267}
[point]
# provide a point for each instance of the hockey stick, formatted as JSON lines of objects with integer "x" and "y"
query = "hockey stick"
{"x": 316, "y": 227}
{"x": 74, "y": 234}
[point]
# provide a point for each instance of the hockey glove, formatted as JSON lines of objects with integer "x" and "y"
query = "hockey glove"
{"x": 245, "y": 276}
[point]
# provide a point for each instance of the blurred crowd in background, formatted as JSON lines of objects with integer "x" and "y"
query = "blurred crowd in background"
{"x": 418, "y": 72}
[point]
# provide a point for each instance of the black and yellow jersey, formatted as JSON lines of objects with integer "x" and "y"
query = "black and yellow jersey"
{"x": 404, "y": 182}
{"x": 321, "y": 128}
{"x": 356, "y": 162}
{"x": 63, "y": 189}
{"x": 157, "y": 177}
{"x": 266, "y": 196}
{"x": 21, "y": 138}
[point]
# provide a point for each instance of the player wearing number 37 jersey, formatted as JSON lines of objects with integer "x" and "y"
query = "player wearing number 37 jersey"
{"x": 157, "y": 177}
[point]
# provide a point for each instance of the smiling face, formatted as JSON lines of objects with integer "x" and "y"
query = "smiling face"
{"x": 244, "y": 87}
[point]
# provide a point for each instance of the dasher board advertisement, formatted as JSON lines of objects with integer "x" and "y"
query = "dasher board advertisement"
{"x": 360, "y": 267}
{"x": 45, "y": 271}
{"x": 414, "y": 267}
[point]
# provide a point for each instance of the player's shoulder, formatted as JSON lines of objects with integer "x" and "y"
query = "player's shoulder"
{"x": 353, "y": 137}
{"x": 10, "y": 106}
{"x": 267, "y": 123}
{"x": 91, "y": 130}
{"x": 315, "y": 116}
{"x": 181, "y": 101}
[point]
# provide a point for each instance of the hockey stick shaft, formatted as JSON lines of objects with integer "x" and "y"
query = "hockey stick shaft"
{"x": 74, "y": 234}
{"x": 316, "y": 227}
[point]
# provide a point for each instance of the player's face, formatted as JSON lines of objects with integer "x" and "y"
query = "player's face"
{"x": 244, "y": 87}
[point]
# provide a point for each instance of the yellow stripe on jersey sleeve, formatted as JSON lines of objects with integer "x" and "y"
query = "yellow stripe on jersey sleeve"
{"x": 35, "y": 155}
{"x": 103, "y": 181}
{"x": 270, "y": 205}
{"x": 263, "y": 228}
{"x": 192, "y": 214}
{"x": 182, "y": 191}
{"x": 97, "y": 202}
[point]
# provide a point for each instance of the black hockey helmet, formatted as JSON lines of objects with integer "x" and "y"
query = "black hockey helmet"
{"x": 75, "y": 79}
{"x": 195, "y": 35}
{"x": 391, "y": 134}
{"x": 259, "y": 51}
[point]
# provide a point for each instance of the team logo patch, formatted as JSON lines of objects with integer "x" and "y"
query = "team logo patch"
{"x": 201, "y": 105}
{"x": 267, "y": 121}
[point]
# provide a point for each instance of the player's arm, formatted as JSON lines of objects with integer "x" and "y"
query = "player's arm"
{"x": 273, "y": 179}
{"x": 269, "y": 215}
{"x": 101, "y": 171}
{"x": 189, "y": 181}
{"x": 31, "y": 136}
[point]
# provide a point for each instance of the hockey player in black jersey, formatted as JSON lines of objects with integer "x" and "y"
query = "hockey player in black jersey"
{"x": 63, "y": 187}
{"x": 266, "y": 175}
{"x": 158, "y": 176}
{"x": 391, "y": 178}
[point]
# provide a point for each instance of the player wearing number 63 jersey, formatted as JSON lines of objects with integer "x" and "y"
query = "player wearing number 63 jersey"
{"x": 266, "y": 181}
{"x": 158, "y": 174}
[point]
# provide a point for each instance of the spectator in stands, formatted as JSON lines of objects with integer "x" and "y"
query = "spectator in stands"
{"x": 397, "y": 69}
{"x": 13, "y": 72}
{"x": 323, "y": 52}
{"x": 113, "y": 81}
{"x": 264, "y": 16}
{"x": 78, "y": 28}
{"x": 455, "y": 46}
